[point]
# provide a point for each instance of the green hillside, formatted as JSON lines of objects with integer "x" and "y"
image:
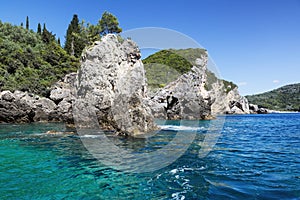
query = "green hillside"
{"x": 31, "y": 61}
{"x": 165, "y": 66}
{"x": 286, "y": 98}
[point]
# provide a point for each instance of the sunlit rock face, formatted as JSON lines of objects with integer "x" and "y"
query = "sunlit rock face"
{"x": 112, "y": 82}
{"x": 186, "y": 97}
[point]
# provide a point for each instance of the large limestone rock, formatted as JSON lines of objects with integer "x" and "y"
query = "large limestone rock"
{"x": 186, "y": 97}
{"x": 228, "y": 102}
{"x": 112, "y": 83}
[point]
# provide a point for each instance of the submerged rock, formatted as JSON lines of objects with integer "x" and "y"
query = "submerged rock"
{"x": 54, "y": 132}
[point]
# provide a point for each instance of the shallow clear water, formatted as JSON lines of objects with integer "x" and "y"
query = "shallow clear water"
{"x": 256, "y": 157}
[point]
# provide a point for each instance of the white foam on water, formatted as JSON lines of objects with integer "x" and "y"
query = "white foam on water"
{"x": 180, "y": 128}
{"x": 91, "y": 136}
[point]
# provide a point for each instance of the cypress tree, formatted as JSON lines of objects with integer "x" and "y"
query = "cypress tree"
{"x": 27, "y": 23}
{"x": 39, "y": 29}
{"x": 47, "y": 36}
{"x": 74, "y": 44}
{"x": 58, "y": 41}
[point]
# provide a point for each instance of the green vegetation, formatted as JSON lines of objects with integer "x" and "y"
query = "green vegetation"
{"x": 27, "y": 23}
{"x": 228, "y": 85}
{"x": 39, "y": 29}
{"x": 73, "y": 45}
{"x": 109, "y": 24}
{"x": 171, "y": 59}
{"x": 286, "y": 98}
{"x": 81, "y": 34}
{"x": 31, "y": 61}
{"x": 190, "y": 54}
{"x": 166, "y": 66}
{"x": 158, "y": 78}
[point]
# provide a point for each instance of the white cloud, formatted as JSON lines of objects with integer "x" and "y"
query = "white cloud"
{"x": 242, "y": 83}
{"x": 276, "y": 81}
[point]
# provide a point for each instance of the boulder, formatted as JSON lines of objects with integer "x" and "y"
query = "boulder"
{"x": 253, "y": 108}
{"x": 7, "y": 96}
{"x": 45, "y": 110}
{"x": 63, "y": 90}
{"x": 64, "y": 108}
{"x": 263, "y": 111}
{"x": 62, "y": 94}
{"x": 16, "y": 107}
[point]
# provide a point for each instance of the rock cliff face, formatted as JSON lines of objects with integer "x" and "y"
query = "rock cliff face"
{"x": 227, "y": 102}
{"x": 186, "y": 97}
{"x": 112, "y": 81}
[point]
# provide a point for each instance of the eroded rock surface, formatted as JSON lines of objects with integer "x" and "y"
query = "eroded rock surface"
{"x": 186, "y": 97}
{"x": 112, "y": 83}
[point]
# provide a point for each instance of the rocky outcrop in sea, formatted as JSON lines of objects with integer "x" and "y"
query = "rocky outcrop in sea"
{"x": 227, "y": 102}
{"x": 111, "y": 83}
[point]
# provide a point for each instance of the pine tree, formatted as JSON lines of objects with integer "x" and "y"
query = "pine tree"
{"x": 92, "y": 33}
{"x": 74, "y": 43}
{"x": 27, "y": 23}
{"x": 39, "y": 29}
{"x": 109, "y": 24}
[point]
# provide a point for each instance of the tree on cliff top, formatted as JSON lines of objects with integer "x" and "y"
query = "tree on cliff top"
{"x": 109, "y": 24}
{"x": 74, "y": 45}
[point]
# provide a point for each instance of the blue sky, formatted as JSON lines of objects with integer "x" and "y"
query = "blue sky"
{"x": 254, "y": 43}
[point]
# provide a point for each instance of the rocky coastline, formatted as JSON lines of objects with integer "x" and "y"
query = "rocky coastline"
{"x": 112, "y": 80}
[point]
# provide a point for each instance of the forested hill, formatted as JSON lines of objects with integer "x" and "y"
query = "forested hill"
{"x": 165, "y": 66}
{"x": 286, "y": 98}
{"x": 31, "y": 61}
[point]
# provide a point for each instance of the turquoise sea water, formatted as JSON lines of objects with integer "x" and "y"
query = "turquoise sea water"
{"x": 256, "y": 157}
